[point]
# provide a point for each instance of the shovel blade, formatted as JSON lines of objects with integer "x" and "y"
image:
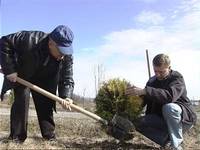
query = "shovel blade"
{"x": 121, "y": 128}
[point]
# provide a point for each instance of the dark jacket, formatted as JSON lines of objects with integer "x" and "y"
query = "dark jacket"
{"x": 27, "y": 53}
{"x": 170, "y": 90}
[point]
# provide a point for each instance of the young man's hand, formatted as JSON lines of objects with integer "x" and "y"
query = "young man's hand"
{"x": 133, "y": 90}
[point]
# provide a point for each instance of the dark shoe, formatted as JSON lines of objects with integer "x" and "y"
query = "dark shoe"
{"x": 16, "y": 140}
{"x": 51, "y": 138}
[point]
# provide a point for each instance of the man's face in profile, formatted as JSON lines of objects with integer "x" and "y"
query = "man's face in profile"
{"x": 161, "y": 72}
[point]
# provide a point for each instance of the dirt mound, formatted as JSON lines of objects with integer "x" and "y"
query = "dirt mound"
{"x": 86, "y": 143}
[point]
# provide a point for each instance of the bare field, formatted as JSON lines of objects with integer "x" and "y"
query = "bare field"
{"x": 76, "y": 131}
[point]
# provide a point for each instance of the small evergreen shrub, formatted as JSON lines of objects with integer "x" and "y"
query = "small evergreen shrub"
{"x": 111, "y": 99}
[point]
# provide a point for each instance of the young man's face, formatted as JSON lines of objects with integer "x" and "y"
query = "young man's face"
{"x": 161, "y": 72}
{"x": 54, "y": 50}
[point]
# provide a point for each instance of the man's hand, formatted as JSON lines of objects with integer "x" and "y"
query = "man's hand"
{"x": 133, "y": 90}
{"x": 12, "y": 77}
{"x": 66, "y": 104}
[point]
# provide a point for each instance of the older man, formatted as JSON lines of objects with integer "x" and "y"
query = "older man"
{"x": 45, "y": 59}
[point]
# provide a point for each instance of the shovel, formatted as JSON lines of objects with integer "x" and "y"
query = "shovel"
{"x": 119, "y": 127}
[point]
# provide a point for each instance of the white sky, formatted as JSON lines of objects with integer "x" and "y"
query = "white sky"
{"x": 116, "y": 33}
{"x": 123, "y": 52}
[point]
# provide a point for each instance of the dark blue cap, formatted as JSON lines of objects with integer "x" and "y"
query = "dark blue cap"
{"x": 63, "y": 36}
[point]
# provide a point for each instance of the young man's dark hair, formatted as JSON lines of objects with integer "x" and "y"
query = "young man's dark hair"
{"x": 45, "y": 60}
{"x": 161, "y": 60}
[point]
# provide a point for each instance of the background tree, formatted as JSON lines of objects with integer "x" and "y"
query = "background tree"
{"x": 99, "y": 75}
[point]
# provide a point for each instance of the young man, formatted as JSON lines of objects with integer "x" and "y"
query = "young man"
{"x": 46, "y": 61}
{"x": 169, "y": 111}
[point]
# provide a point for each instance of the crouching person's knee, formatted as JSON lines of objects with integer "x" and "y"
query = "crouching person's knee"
{"x": 171, "y": 110}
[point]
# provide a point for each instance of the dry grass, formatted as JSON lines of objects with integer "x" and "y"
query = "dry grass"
{"x": 82, "y": 133}
{"x": 71, "y": 133}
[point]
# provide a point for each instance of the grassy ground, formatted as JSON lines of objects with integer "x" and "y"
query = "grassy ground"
{"x": 82, "y": 133}
{"x": 71, "y": 133}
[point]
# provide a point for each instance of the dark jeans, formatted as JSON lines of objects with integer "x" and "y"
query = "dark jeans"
{"x": 44, "y": 108}
{"x": 154, "y": 128}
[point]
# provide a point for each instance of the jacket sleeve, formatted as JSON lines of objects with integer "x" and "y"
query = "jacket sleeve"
{"x": 170, "y": 93}
{"x": 8, "y": 61}
{"x": 7, "y": 85}
{"x": 8, "y": 54}
{"x": 66, "y": 82}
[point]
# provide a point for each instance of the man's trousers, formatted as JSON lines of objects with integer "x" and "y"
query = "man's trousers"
{"x": 44, "y": 108}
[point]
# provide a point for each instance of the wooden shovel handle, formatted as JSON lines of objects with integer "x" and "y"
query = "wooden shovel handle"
{"x": 58, "y": 99}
